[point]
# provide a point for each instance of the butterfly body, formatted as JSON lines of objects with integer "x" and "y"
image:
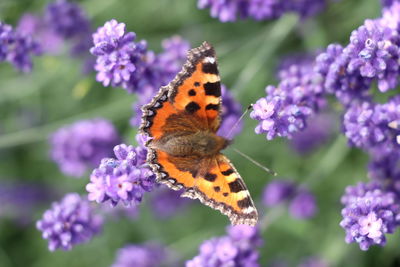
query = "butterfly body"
{"x": 184, "y": 149}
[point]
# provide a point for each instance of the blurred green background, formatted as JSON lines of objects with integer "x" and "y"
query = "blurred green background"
{"x": 33, "y": 105}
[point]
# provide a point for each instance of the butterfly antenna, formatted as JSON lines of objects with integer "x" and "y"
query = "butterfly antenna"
{"x": 229, "y": 135}
{"x": 255, "y": 162}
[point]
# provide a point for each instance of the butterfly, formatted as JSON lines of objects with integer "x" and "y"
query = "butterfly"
{"x": 181, "y": 122}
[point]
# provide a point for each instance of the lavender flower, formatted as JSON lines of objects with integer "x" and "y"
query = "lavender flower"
{"x": 67, "y": 19}
{"x": 373, "y": 126}
{"x": 303, "y": 205}
{"x": 369, "y": 213}
{"x": 278, "y": 191}
{"x": 285, "y": 109}
{"x": 124, "y": 179}
{"x": 150, "y": 255}
{"x": 19, "y": 200}
{"x": 320, "y": 128}
{"x": 82, "y": 145}
{"x": 17, "y": 48}
{"x": 121, "y": 61}
{"x": 69, "y": 222}
{"x": 238, "y": 248}
{"x": 331, "y": 66}
{"x": 36, "y": 27}
{"x": 374, "y": 55}
{"x": 231, "y": 111}
{"x": 231, "y": 10}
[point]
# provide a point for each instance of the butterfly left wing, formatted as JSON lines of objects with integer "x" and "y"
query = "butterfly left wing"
{"x": 222, "y": 188}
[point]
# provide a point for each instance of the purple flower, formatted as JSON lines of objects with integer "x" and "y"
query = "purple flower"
{"x": 67, "y": 19}
{"x": 373, "y": 54}
{"x": 36, "y": 27}
{"x": 150, "y": 255}
{"x": 17, "y": 48}
{"x": 82, "y": 145}
{"x": 124, "y": 179}
{"x": 231, "y": 10}
{"x": 19, "y": 200}
{"x": 374, "y": 127}
{"x": 318, "y": 131}
{"x": 166, "y": 202}
{"x": 238, "y": 248}
{"x": 231, "y": 111}
{"x": 369, "y": 213}
{"x": 285, "y": 109}
{"x": 69, "y": 222}
{"x": 303, "y": 205}
{"x": 278, "y": 191}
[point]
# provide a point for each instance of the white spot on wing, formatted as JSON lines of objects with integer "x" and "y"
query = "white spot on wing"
{"x": 209, "y": 60}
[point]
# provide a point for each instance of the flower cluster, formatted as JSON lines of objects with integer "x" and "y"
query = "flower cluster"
{"x": 82, "y": 145}
{"x": 287, "y": 107}
{"x": 69, "y": 21}
{"x": 238, "y": 248}
{"x": 122, "y": 179}
{"x": 231, "y": 10}
{"x": 369, "y": 213}
{"x": 302, "y": 204}
{"x": 17, "y": 48}
{"x": 149, "y": 255}
{"x": 69, "y": 222}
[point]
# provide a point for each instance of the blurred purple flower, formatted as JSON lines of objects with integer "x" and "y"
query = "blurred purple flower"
{"x": 17, "y": 48}
{"x": 286, "y": 108}
{"x": 19, "y": 200}
{"x": 149, "y": 255}
{"x": 166, "y": 202}
{"x": 82, "y": 145}
{"x": 67, "y": 19}
{"x": 231, "y": 10}
{"x": 320, "y": 128}
{"x": 69, "y": 222}
{"x": 35, "y": 26}
{"x": 124, "y": 179}
{"x": 238, "y": 248}
{"x": 231, "y": 111}
{"x": 369, "y": 213}
{"x": 115, "y": 213}
{"x": 277, "y": 192}
{"x": 373, "y": 54}
{"x": 303, "y": 205}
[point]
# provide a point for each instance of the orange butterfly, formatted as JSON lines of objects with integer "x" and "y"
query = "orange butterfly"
{"x": 184, "y": 150}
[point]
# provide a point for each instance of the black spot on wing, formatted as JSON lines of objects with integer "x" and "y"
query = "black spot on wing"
{"x": 192, "y": 107}
{"x": 210, "y": 177}
{"x": 244, "y": 203}
{"x": 228, "y": 172}
{"x": 213, "y": 89}
{"x": 192, "y": 92}
{"x": 225, "y": 194}
{"x": 197, "y": 84}
{"x": 236, "y": 186}
{"x": 217, "y": 188}
{"x": 210, "y": 68}
{"x": 212, "y": 106}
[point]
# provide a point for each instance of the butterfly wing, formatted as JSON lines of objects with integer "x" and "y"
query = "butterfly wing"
{"x": 222, "y": 188}
{"x": 195, "y": 90}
